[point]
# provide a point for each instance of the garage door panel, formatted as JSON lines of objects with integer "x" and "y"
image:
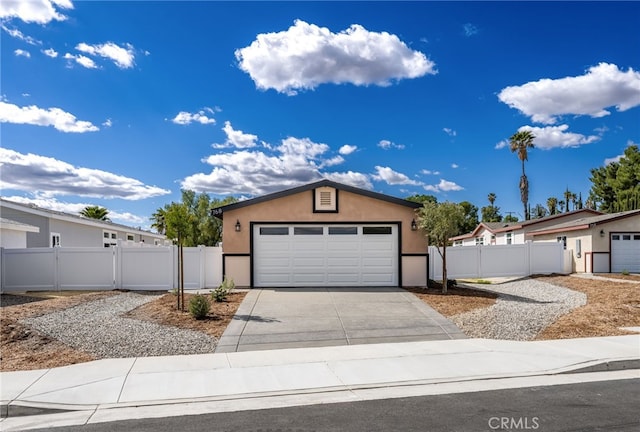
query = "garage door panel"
{"x": 625, "y": 252}
{"x": 334, "y": 255}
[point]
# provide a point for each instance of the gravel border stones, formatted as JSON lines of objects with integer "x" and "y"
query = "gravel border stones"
{"x": 523, "y": 309}
{"x": 98, "y": 327}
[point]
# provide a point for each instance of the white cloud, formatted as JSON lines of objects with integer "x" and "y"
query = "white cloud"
{"x": 392, "y": 177}
{"x": 15, "y": 33}
{"x": 502, "y": 144}
{"x": 36, "y": 11}
{"x": 107, "y": 123}
{"x": 293, "y": 162}
{"x": 236, "y": 138}
{"x": 450, "y": 132}
{"x": 347, "y": 149}
{"x": 549, "y": 137}
{"x": 354, "y": 179}
{"x": 454, "y": 166}
{"x": 429, "y": 172}
{"x": 386, "y": 145}
{"x": 620, "y": 156}
{"x": 22, "y": 53}
{"x": 123, "y": 57}
{"x": 76, "y": 208}
{"x": 33, "y": 115}
{"x": 81, "y": 60}
{"x": 305, "y": 56}
{"x": 601, "y": 87}
{"x": 470, "y": 29}
{"x": 50, "y": 177}
{"x": 50, "y": 53}
{"x": 185, "y": 118}
{"x": 443, "y": 186}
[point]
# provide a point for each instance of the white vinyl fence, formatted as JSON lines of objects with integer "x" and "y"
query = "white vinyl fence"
{"x": 148, "y": 268}
{"x": 473, "y": 262}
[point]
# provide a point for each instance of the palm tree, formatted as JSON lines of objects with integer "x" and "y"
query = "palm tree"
{"x": 568, "y": 196}
{"x": 159, "y": 220}
{"x": 552, "y": 205}
{"x": 96, "y": 212}
{"x": 520, "y": 142}
{"x": 492, "y": 198}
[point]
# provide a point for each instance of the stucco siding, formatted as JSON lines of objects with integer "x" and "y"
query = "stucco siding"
{"x": 39, "y": 239}
{"x": 299, "y": 208}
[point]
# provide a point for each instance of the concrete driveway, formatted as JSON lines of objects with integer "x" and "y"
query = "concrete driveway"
{"x": 273, "y": 318}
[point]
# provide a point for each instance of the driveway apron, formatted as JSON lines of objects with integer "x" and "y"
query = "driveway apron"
{"x": 273, "y": 318}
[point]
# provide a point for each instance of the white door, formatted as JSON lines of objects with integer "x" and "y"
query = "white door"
{"x": 325, "y": 255}
{"x": 625, "y": 252}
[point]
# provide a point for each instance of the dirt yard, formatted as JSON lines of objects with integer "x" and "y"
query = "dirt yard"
{"x": 610, "y": 305}
{"x": 24, "y": 349}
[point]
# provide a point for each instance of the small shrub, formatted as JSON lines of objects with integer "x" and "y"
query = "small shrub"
{"x": 220, "y": 294}
{"x": 625, "y": 272}
{"x": 483, "y": 281}
{"x": 174, "y": 291}
{"x": 199, "y": 306}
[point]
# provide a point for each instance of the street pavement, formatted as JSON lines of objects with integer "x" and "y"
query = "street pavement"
{"x": 118, "y": 389}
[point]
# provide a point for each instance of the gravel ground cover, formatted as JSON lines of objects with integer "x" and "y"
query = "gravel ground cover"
{"x": 98, "y": 327}
{"x": 523, "y": 309}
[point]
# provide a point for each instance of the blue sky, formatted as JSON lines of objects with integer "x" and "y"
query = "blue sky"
{"x": 122, "y": 104}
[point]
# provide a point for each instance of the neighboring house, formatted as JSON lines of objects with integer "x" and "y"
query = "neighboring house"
{"x": 605, "y": 243}
{"x": 323, "y": 234}
{"x": 13, "y": 234}
{"x": 64, "y": 229}
{"x": 502, "y": 233}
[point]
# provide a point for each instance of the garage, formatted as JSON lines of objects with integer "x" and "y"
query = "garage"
{"x": 298, "y": 255}
{"x": 625, "y": 252}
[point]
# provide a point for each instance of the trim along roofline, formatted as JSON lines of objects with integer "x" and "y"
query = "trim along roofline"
{"x": 219, "y": 211}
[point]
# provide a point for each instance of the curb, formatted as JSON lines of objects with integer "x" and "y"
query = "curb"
{"x": 24, "y": 409}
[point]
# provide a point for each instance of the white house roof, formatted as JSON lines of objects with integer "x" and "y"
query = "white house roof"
{"x": 17, "y": 226}
{"x": 69, "y": 217}
{"x": 585, "y": 223}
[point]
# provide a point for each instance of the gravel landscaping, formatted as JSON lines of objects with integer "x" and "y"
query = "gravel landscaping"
{"x": 98, "y": 328}
{"x": 523, "y": 309}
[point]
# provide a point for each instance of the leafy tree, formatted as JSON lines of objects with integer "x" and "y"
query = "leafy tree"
{"x": 420, "y": 198}
{"x": 616, "y": 186}
{"x": 441, "y": 221}
{"x": 569, "y": 197}
{"x": 578, "y": 205}
{"x": 96, "y": 212}
{"x": 491, "y": 214}
{"x": 520, "y": 142}
{"x": 539, "y": 211}
{"x": 202, "y": 228}
{"x": 552, "y": 205}
{"x": 510, "y": 218}
{"x": 470, "y": 217}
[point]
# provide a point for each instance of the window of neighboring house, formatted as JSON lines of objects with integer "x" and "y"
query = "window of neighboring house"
{"x": 479, "y": 240}
{"x": 130, "y": 237}
{"x": 457, "y": 243}
{"x": 55, "y": 239}
{"x": 493, "y": 239}
{"x": 509, "y": 237}
{"x": 109, "y": 238}
{"x": 562, "y": 239}
{"x": 157, "y": 242}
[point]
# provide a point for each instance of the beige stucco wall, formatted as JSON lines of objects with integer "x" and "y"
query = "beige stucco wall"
{"x": 592, "y": 241}
{"x": 352, "y": 208}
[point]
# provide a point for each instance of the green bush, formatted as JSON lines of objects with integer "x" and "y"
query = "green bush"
{"x": 220, "y": 294}
{"x": 625, "y": 272}
{"x": 199, "y": 306}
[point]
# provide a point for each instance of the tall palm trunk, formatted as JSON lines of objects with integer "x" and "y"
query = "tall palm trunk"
{"x": 524, "y": 192}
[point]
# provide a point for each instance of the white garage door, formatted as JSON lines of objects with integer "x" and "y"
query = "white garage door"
{"x": 625, "y": 253}
{"x": 325, "y": 255}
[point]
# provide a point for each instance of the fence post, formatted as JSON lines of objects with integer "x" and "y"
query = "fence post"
{"x": 528, "y": 256}
{"x": 202, "y": 255}
{"x": 479, "y": 271}
{"x": 56, "y": 268}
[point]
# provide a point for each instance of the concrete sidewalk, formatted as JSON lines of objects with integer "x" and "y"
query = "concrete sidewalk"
{"x": 117, "y": 388}
{"x": 276, "y": 318}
